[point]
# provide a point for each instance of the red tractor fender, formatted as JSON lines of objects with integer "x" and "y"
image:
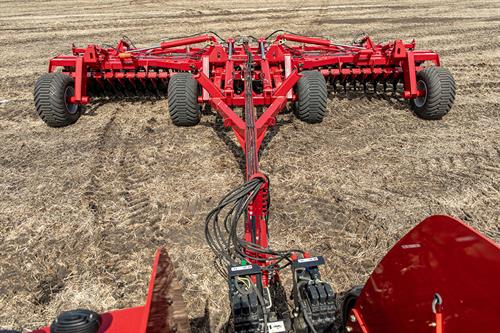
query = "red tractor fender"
{"x": 443, "y": 276}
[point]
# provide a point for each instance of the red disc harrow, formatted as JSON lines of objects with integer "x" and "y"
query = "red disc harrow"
{"x": 249, "y": 81}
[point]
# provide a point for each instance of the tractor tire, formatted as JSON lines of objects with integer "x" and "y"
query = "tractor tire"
{"x": 312, "y": 97}
{"x": 440, "y": 93}
{"x": 183, "y": 100}
{"x": 349, "y": 302}
{"x": 52, "y": 91}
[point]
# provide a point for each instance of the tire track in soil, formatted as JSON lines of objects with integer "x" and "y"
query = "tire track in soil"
{"x": 110, "y": 148}
{"x": 117, "y": 196}
{"x": 476, "y": 87}
{"x": 18, "y": 110}
{"x": 106, "y": 148}
{"x": 472, "y": 177}
{"x": 135, "y": 178}
{"x": 111, "y": 250}
{"x": 483, "y": 161}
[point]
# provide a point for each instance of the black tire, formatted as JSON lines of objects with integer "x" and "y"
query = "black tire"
{"x": 76, "y": 321}
{"x": 51, "y": 93}
{"x": 312, "y": 97}
{"x": 440, "y": 93}
{"x": 183, "y": 100}
{"x": 349, "y": 302}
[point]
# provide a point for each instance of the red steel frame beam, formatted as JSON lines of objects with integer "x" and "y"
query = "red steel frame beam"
{"x": 367, "y": 60}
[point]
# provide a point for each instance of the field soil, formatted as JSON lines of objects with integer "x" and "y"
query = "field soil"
{"x": 83, "y": 208}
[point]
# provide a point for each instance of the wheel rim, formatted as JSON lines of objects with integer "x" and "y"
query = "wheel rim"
{"x": 70, "y": 107}
{"x": 420, "y": 100}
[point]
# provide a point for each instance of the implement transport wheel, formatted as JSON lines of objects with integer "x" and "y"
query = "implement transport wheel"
{"x": 439, "y": 87}
{"x": 183, "y": 100}
{"x": 52, "y": 93}
{"x": 312, "y": 97}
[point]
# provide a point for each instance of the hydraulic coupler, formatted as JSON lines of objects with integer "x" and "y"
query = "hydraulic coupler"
{"x": 314, "y": 300}
{"x": 248, "y": 306}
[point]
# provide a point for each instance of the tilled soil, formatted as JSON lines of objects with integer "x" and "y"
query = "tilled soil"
{"x": 83, "y": 208}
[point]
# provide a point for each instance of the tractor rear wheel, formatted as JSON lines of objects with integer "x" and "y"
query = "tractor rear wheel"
{"x": 312, "y": 97}
{"x": 349, "y": 302}
{"x": 52, "y": 93}
{"x": 183, "y": 100}
{"x": 439, "y": 87}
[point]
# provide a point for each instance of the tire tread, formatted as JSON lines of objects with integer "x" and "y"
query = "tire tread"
{"x": 49, "y": 100}
{"x": 313, "y": 97}
{"x": 183, "y": 100}
{"x": 441, "y": 91}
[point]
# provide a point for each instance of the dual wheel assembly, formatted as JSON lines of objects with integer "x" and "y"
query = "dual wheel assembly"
{"x": 53, "y": 92}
